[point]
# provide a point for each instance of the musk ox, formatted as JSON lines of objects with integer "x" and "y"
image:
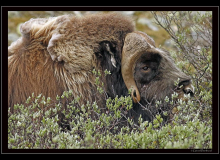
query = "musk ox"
{"x": 59, "y": 53}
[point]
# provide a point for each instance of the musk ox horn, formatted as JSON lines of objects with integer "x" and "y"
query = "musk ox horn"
{"x": 135, "y": 45}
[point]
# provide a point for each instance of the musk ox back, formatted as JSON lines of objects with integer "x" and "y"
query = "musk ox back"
{"x": 59, "y": 53}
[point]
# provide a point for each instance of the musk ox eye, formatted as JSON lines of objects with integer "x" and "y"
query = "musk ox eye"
{"x": 145, "y": 68}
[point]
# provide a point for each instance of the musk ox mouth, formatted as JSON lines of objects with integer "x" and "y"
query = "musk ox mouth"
{"x": 151, "y": 92}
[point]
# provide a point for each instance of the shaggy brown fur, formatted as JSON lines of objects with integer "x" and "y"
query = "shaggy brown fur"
{"x": 57, "y": 54}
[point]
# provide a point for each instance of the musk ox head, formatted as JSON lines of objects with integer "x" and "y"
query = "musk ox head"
{"x": 150, "y": 72}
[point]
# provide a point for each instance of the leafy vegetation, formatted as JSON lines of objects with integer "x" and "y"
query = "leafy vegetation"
{"x": 47, "y": 123}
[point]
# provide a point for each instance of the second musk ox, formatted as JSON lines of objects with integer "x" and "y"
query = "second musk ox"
{"x": 59, "y": 53}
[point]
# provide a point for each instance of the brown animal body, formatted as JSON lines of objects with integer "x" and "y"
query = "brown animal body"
{"x": 58, "y": 54}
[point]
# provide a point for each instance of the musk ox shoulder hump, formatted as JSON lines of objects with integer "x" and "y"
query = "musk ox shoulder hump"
{"x": 70, "y": 35}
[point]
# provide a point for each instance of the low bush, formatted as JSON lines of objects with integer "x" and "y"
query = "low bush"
{"x": 32, "y": 127}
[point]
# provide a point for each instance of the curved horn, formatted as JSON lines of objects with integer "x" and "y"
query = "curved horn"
{"x": 135, "y": 44}
{"x": 148, "y": 39}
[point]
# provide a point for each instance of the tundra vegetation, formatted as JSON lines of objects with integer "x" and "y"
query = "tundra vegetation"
{"x": 187, "y": 125}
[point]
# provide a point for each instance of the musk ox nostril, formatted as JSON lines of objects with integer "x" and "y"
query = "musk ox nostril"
{"x": 188, "y": 91}
{"x": 187, "y": 87}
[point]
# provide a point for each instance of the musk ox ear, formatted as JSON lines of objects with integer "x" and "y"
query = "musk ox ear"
{"x": 107, "y": 51}
{"x": 112, "y": 55}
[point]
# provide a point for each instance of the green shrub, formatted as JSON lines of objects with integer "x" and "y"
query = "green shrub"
{"x": 90, "y": 128}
